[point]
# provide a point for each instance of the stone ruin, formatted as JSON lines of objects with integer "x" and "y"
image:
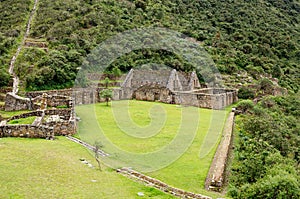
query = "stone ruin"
{"x": 48, "y": 122}
{"x": 173, "y": 87}
{"x": 167, "y": 86}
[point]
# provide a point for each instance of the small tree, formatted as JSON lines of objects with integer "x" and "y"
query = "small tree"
{"x": 116, "y": 72}
{"x": 98, "y": 145}
{"x": 245, "y": 105}
{"x": 266, "y": 86}
{"x": 107, "y": 94}
{"x": 106, "y": 82}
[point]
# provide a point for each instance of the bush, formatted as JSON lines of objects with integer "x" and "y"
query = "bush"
{"x": 245, "y": 105}
{"x": 246, "y": 93}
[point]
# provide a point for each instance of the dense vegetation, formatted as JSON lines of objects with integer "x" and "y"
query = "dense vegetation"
{"x": 259, "y": 36}
{"x": 13, "y": 16}
{"x": 267, "y": 154}
{"x": 256, "y": 36}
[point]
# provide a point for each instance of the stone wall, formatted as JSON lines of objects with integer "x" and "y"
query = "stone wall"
{"x": 63, "y": 92}
{"x": 216, "y": 175}
{"x": 48, "y": 130}
{"x": 171, "y": 79}
{"x": 85, "y": 95}
{"x": 28, "y": 131}
{"x": 53, "y": 100}
{"x": 80, "y": 95}
{"x": 66, "y": 125}
{"x": 208, "y": 99}
{"x": 153, "y": 92}
{"x": 65, "y": 113}
{"x": 63, "y": 128}
{"x": 122, "y": 94}
{"x": 160, "y": 185}
{"x": 14, "y": 102}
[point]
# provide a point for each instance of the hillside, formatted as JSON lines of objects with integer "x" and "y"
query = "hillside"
{"x": 254, "y": 36}
{"x": 251, "y": 42}
{"x": 13, "y": 17}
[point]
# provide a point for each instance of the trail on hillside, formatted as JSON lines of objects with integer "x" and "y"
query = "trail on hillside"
{"x": 14, "y": 58}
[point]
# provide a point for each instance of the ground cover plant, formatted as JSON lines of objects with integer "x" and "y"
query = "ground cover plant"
{"x": 8, "y": 114}
{"x": 188, "y": 172}
{"x": 37, "y": 168}
{"x": 27, "y": 120}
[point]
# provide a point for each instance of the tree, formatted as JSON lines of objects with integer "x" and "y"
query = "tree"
{"x": 245, "y": 105}
{"x": 266, "y": 86}
{"x": 106, "y": 82}
{"x": 4, "y": 77}
{"x": 116, "y": 72}
{"x": 97, "y": 147}
{"x": 107, "y": 94}
{"x": 246, "y": 93}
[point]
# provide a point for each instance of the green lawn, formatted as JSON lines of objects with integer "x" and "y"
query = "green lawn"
{"x": 27, "y": 120}
{"x": 37, "y": 168}
{"x": 162, "y": 140}
{"x": 8, "y": 114}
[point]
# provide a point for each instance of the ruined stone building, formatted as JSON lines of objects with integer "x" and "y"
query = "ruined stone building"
{"x": 174, "y": 87}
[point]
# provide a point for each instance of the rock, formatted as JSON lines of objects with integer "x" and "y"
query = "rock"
{"x": 140, "y": 194}
{"x": 93, "y": 180}
{"x": 84, "y": 162}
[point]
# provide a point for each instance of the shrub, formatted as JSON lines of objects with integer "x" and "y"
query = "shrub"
{"x": 245, "y": 105}
{"x": 246, "y": 93}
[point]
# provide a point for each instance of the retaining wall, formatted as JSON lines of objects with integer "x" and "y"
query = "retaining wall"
{"x": 216, "y": 175}
{"x": 25, "y": 130}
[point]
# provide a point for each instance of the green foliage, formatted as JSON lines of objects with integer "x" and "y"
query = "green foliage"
{"x": 280, "y": 181}
{"x": 106, "y": 82}
{"x": 27, "y": 120}
{"x": 107, "y": 94}
{"x": 5, "y": 77}
{"x": 13, "y": 17}
{"x": 116, "y": 72}
{"x": 246, "y": 93}
{"x": 266, "y": 86}
{"x": 267, "y": 152}
{"x": 245, "y": 105}
{"x": 260, "y": 40}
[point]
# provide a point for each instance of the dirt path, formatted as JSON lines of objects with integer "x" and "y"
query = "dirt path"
{"x": 14, "y": 58}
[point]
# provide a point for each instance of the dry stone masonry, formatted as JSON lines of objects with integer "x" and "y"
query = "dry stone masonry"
{"x": 173, "y": 87}
{"x": 48, "y": 122}
{"x": 216, "y": 175}
{"x": 160, "y": 185}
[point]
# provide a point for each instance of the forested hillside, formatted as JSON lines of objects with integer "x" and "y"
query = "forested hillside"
{"x": 267, "y": 154}
{"x": 256, "y": 36}
{"x": 13, "y": 17}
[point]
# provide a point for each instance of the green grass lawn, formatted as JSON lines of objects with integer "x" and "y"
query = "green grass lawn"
{"x": 27, "y": 120}
{"x": 37, "y": 168}
{"x": 8, "y": 114}
{"x": 147, "y": 138}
